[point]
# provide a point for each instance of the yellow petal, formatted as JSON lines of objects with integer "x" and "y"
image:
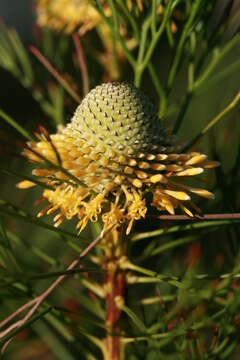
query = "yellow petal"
{"x": 41, "y": 172}
{"x": 158, "y": 178}
{"x": 160, "y": 157}
{"x": 79, "y": 161}
{"x": 143, "y": 165}
{"x": 25, "y": 184}
{"x": 69, "y": 164}
{"x": 197, "y": 159}
{"x": 119, "y": 179}
{"x": 122, "y": 159}
{"x": 43, "y": 145}
{"x": 174, "y": 167}
{"x": 158, "y": 167}
{"x": 202, "y": 192}
{"x": 129, "y": 226}
{"x": 169, "y": 207}
{"x": 190, "y": 172}
{"x": 137, "y": 183}
{"x": 150, "y": 157}
{"x": 179, "y": 195}
{"x": 186, "y": 210}
{"x": 132, "y": 162}
{"x": 141, "y": 174}
{"x": 128, "y": 170}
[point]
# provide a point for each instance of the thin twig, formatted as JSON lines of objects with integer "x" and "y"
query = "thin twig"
{"x": 214, "y": 121}
{"x": 115, "y": 29}
{"x": 177, "y": 58}
{"x": 198, "y": 80}
{"x": 143, "y": 60}
{"x": 55, "y": 73}
{"x": 35, "y": 303}
{"x": 198, "y": 217}
{"x": 16, "y": 313}
{"x": 82, "y": 63}
{"x": 15, "y": 125}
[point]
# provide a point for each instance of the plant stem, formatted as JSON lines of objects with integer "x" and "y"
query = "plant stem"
{"x": 194, "y": 85}
{"x": 115, "y": 281}
{"x": 15, "y": 125}
{"x": 55, "y": 74}
{"x": 218, "y": 55}
{"x": 185, "y": 33}
{"x": 82, "y": 63}
{"x": 159, "y": 88}
{"x": 131, "y": 19}
{"x": 114, "y": 284}
{"x": 115, "y": 29}
{"x": 214, "y": 121}
{"x": 144, "y": 60}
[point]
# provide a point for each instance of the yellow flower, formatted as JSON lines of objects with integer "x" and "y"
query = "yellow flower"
{"x": 113, "y": 151}
{"x": 69, "y": 15}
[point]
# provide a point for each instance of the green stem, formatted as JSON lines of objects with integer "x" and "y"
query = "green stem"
{"x": 143, "y": 62}
{"x": 234, "y": 67}
{"x": 185, "y": 227}
{"x": 142, "y": 46}
{"x": 193, "y": 86}
{"x": 214, "y": 121}
{"x": 15, "y": 125}
{"x": 158, "y": 34}
{"x": 191, "y": 76}
{"x": 115, "y": 29}
{"x": 185, "y": 33}
{"x": 159, "y": 88}
{"x": 217, "y": 56}
{"x": 138, "y": 70}
{"x": 153, "y": 20}
{"x": 130, "y": 18}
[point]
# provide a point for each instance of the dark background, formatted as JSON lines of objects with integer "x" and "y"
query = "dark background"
{"x": 18, "y": 14}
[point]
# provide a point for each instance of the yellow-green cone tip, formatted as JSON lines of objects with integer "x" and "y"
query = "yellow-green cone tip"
{"x": 118, "y": 116}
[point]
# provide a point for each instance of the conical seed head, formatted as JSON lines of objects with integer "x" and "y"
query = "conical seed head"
{"x": 114, "y": 149}
{"x": 119, "y": 117}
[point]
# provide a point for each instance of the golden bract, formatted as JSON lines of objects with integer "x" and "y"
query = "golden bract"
{"x": 112, "y": 152}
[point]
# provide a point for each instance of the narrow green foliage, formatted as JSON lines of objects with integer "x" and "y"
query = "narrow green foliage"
{"x": 15, "y": 125}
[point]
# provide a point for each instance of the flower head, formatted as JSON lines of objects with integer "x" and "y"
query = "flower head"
{"x": 112, "y": 152}
{"x": 69, "y": 15}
